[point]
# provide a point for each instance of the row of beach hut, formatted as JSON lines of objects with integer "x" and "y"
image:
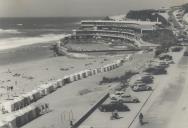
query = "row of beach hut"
{"x": 23, "y": 116}
{"x": 45, "y": 89}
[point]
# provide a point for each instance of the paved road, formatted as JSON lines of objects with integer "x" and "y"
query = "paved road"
{"x": 170, "y": 108}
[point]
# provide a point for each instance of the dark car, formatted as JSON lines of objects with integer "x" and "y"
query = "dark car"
{"x": 156, "y": 70}
{"x": 165, "y": 57}
{"x": 112, "y": 107}
{"x": 185, "y": 53}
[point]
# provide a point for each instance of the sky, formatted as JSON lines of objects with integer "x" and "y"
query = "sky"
{"x": 70, "y": 8}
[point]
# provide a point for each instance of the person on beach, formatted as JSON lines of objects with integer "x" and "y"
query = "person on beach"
{"x": 141, "y": 116}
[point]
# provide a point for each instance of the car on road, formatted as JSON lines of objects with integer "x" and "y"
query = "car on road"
{"x": 111, "y": 107}
{"x": 126, "y": 99}
{"x": 138, "y": 88}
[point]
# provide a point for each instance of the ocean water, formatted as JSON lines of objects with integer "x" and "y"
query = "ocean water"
{"x": 15, "y": 32}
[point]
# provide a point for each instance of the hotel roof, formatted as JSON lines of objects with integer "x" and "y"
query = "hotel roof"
{"x": 125, "y": 22}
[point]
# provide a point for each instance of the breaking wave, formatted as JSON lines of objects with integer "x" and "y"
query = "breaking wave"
{"x": 9, "y": 31}
{"x": 21, "y": 41}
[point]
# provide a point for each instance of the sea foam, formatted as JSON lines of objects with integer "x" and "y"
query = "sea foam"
{"x": 21, "y": 41}
{"x": 9, "y": 31}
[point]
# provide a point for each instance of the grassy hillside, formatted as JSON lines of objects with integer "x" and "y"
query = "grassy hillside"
{"x": 149, "y": 14}
{"x": 164, "y": 37}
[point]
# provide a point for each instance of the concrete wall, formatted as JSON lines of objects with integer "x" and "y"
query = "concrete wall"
{"x": 88, "y": 113}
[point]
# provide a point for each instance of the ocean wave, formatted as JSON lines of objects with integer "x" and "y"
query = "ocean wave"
{"x": 9, "y": 31}
{"x": 21, "y": 41}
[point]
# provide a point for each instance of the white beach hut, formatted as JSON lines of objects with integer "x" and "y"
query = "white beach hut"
{"x": 75, "y": 77}
{"x": 10, "y": 119}
{"x": 50, "y": 87}
{"x": 54, "y": 84}
{"x": 26, "y": 99}
{"x": 20, "y": 118}
{"x": 59, "y": 83}
{"x": 43, "y": 90}
{"x": 94, "y": 71}
{"x": 99, "y": 70}
{"x": 79, "y": 75}
{"x": 110, "y": 67}
{"x": 89, "y": 72}
{"x": 104, "y": 69}
{"x": 8, "y": 106}
{"x": 66, "y": 80}
{"x": 107, "y": 67}
{"x": 84, "y": 74}
{"x": 18, "y": 103}
{"x": 35, "y": 94}
{"x": 32, "y": 113}
{"x": 30, "y": 96}
{"x": 4, "y": 124}
{"x": 71, "y": 77}
{"x": 114, "y": 66}
{"x": 25, "y": 115}
{"x": 41, "y": 108}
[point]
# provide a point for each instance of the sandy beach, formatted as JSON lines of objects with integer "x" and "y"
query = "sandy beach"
{"x": 72, "y": 101}
{"x": 27, "y": 67}
{"x": 29, "y": 71}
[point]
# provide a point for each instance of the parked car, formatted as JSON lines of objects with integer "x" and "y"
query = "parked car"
{"x": 147, "y": 79}
{"x": 185, "y": 53}
{"x": 126, "y": 99}
{"x": 156, "y": 70}
{"x": 113, "y": 106}
{"x": 138, "y": 83}
{"x": 165, "y": 64}
{"x": 116, "y": 94}
{"x": 177, "y": 49}
{"x": 138, "y": 88}
{"x": 165, "y": 57}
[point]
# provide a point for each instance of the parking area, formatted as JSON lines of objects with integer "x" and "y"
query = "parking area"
{"x": 102, "y": 119}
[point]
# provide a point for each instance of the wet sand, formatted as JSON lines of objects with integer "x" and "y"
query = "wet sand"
{"x": 26, "y": 53}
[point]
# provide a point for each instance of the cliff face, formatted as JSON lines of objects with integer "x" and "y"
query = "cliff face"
{"x": 149, "y": 14}
{"x": 163, "y": 36}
